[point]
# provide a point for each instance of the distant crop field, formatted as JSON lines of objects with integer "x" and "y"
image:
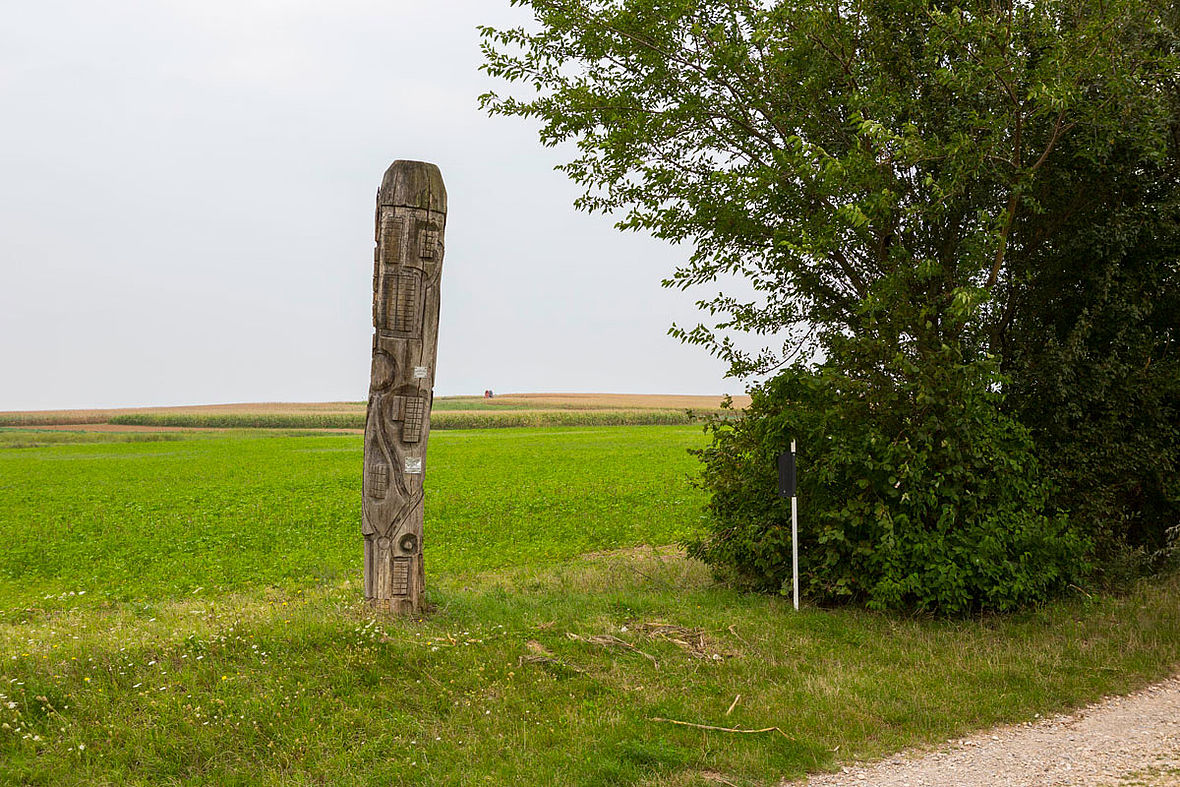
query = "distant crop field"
{"x": 450, "y": 412}
{"x": 15, "y": 418}
{"x": 590, "y": 401}
{"x": 445, "y": 419}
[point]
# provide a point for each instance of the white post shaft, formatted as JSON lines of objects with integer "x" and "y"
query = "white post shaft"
{"x": 795, "y": 540}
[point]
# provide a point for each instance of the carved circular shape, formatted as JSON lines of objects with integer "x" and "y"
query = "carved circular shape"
{"x": 408, "y": 542}
{"x": 383, "y": 544}
{"x": 384, "y": 369}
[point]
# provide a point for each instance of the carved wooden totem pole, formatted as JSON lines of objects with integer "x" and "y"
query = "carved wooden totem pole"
{"x": 411, "y": 216}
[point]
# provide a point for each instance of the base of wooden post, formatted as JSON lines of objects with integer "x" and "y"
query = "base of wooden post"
{"x": 401, "y": 607}
{"x": 393, "y": 580}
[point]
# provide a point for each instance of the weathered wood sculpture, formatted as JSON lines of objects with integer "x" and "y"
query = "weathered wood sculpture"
{"x": 411, "y": 217}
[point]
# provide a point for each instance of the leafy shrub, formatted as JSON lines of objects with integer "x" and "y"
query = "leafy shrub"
{"x": 915, "y": 493}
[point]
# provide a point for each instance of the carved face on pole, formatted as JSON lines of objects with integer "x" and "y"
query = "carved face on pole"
{"x": 411, "y": 220}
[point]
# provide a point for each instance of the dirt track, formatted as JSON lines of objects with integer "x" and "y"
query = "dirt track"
{"x": 1120, "y": 742}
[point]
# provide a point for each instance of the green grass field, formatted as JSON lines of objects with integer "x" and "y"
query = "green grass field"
{"x": 135, "y": 519}
{"x": 187, "y": 611}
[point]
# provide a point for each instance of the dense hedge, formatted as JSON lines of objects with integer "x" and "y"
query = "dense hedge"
{"x": 916, "y": 493}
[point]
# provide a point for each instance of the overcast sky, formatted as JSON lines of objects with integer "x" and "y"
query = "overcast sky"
{"x": 186, "y": 208}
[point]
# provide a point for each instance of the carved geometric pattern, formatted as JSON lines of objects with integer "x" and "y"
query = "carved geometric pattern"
{"x": 391, "y": 240}
{"x": 400, "y": 581}
{"x": 401, "y": 301}
{"x": 412, "y": 425}
{"x": 428, "y": 243}
{"x": 379, "y": 481}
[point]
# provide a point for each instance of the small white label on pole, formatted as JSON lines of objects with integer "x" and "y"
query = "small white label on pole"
{"x": 413, "y": 464}
{"x": 421, "y": 372}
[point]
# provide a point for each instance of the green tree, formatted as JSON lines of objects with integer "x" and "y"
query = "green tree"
{"x": 844, "y": 158}
{"x": 1089, "y": 340}
{"x": 880, "y": 174}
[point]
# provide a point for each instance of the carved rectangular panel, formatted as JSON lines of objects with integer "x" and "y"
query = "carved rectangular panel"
{"x": 391, "y": 240}
{"x": 402, "y": 293}
{"x": 379, "y": 481}
{"x": 412, "y": 425}
{"x": 400, "y": 580}
{"x": 396, "y": 408}
{"x": 428, "y": 243}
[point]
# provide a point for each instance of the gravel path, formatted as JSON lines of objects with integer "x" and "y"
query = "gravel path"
{"x": 1119, "y": 742}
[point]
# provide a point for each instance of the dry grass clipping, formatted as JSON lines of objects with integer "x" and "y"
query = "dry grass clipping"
{"x": 611, "y": 641}
{"x": 692, "y": 641}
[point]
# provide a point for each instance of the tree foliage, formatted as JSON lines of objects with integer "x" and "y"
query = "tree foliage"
{"x": 841, "y": 157}
{"x": 1090, "y": 343}
{"x": 921, "y": 196}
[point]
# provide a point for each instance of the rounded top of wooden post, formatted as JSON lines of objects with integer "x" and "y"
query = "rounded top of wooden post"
{"x": 413, "y": 184}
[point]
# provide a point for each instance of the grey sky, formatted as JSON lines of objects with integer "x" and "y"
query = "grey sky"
{"x": 186, "y": 211}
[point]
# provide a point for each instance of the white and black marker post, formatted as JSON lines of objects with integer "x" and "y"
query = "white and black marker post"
{"x": 786, "y": 488}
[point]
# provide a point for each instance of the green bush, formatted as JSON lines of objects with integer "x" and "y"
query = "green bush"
{"x": 915, "y": 493}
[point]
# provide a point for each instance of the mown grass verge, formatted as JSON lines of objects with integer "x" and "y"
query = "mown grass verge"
{"x": 536, "y": 675}
{"x": 443, "y": 419}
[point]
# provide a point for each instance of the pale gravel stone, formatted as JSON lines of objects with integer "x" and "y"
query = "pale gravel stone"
{"x": 1131, "y": 740}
